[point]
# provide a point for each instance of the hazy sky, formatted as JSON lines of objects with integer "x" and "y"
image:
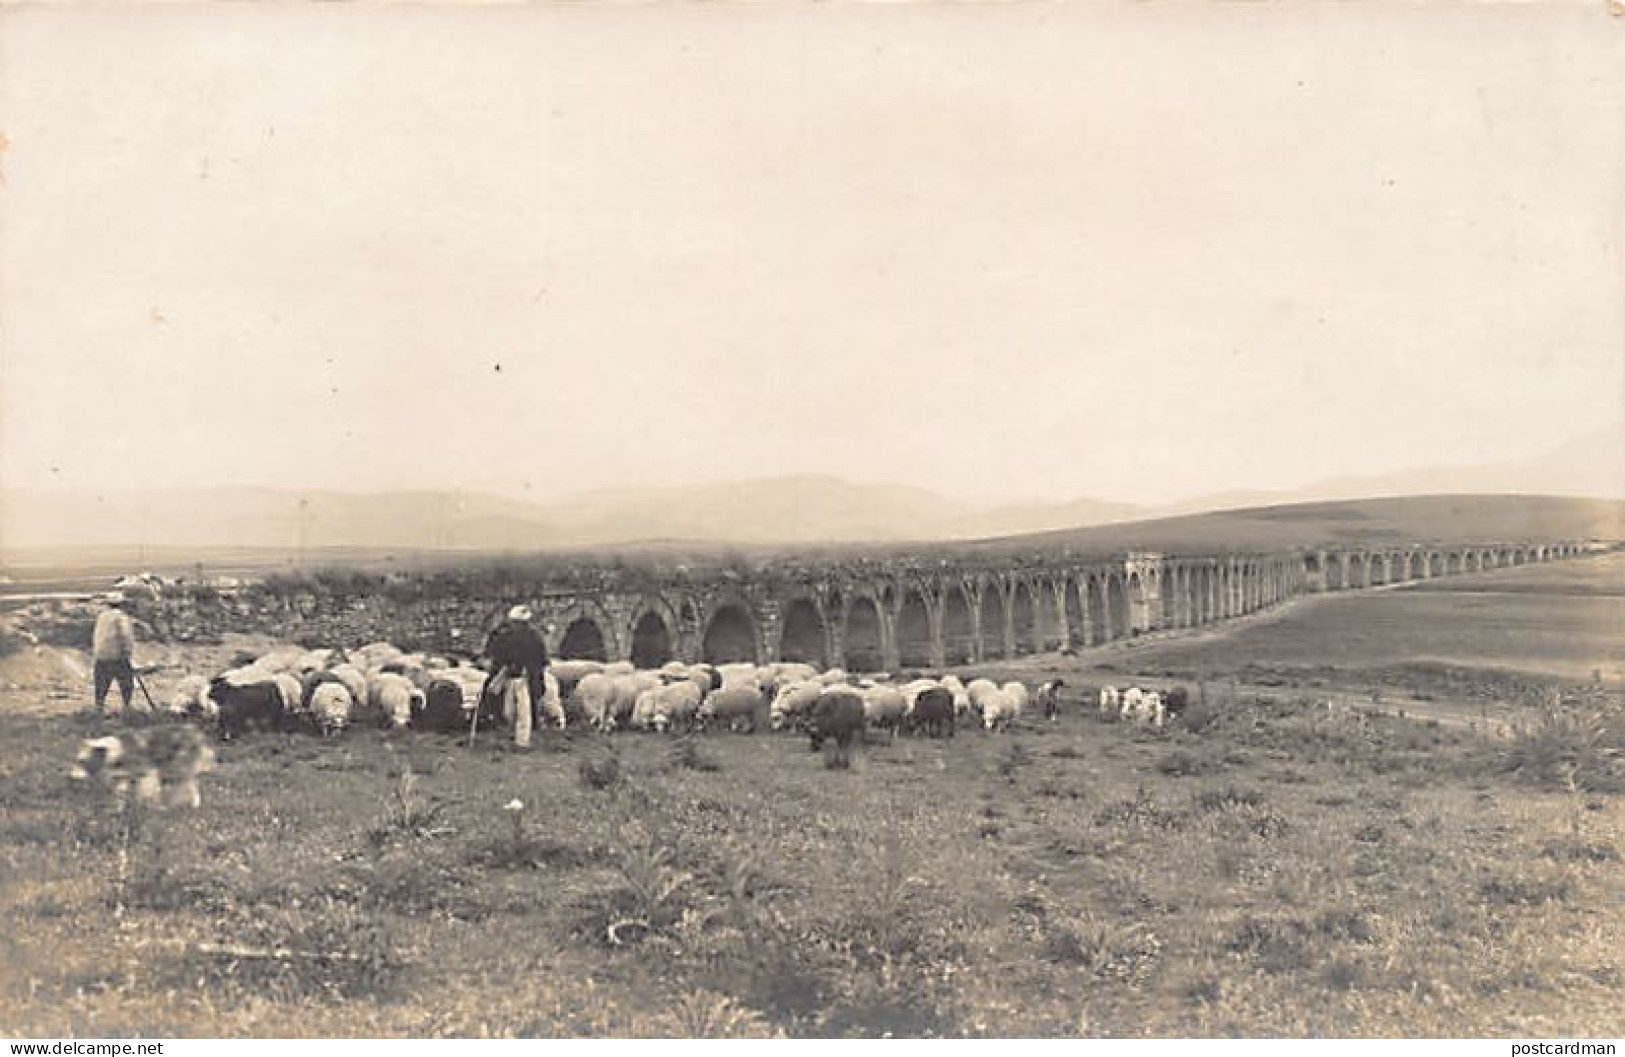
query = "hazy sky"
{"x": 1136, "y": 251}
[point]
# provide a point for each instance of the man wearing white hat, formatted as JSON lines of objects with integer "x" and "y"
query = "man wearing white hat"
{"x": 516, "y": 650}
{"x": 112, "y": 647}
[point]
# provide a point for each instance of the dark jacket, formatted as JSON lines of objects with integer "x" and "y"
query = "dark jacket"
{"x": 517, "y": 646}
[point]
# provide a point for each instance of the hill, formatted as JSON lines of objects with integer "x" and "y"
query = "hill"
{"x": 1440, "y": 518}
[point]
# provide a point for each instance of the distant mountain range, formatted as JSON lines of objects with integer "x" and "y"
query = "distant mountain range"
{"x": 790, "y": 510}
{"x": 1591, "y": 466}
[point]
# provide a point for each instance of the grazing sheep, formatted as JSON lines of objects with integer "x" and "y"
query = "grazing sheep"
{"x": 293, "y": 693}
{"x": 952, "y": 684}
{"x": 569, "y": 673}
{"x": 793, "y": 703}
{"x": 1000, "y": 709}
{"x": 1151, "y": 709}
{"x": 550, "y": 709}
{"x": 914, "y": 688}
{"x": 190, "y": 698}
{"x": 352, "y": 678}
{"x": 312, "y": 661}
{"x": 884, "y": 708}
{"x": 374, "y": 655}
{"x": 393, "y": 698}
{"x": 792, "y": 672}
{"x": 243, "y": 707}
{"x": 1017, "y": 692}
{"x": 1049, "y": 698}
{"x": 837, "y": 720}
{"x": 669, "y": 706}
{"x": 331, "y": 707}
{"x": 834, "y": 677}
{"x": 736, "y": 704}
{"x": 980, "y": 692}
{"x": 594, "y": 695}
{"x": 645, "y": 710}
{"x": 444, "y": 707}
{"x": 1111, "y": 701}
{"x": 933, "y": 712}
{"x": 624, "y": 691}
{"x": 1143, "y": 706}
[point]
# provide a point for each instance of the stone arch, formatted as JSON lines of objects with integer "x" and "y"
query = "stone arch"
{"x": 1049, "y": 616}
{"x": 730, "y": 634}
{"x": 914, "y": 639}
{"x": 863, "y": 635}
{"x": 1073, "y": 602}
{"x": 1172, "y": 592}
{"x": 1204, "y": 594}
{"x": 803, "y": 635}
{"x": 584, "y": 631}
{"x": 653, "y": 637}
{"x": 1334, "y": 575}
{"x": 1455, "y": 565}
{"x": 1119, "y": 615}
{"x": 583, "y": 639}
{"x": 958, "y": 627}
{"x": 1139, "y": 600}
{"x": 1094, "y": 606}
{"x": 995, "y": 616}
{"x": 1024, "y": 619}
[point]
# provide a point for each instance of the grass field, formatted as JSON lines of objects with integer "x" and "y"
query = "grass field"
{"x": 1562, "y": 621}
{"x": 1270, "y": 868}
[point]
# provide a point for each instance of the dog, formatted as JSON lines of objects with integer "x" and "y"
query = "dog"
{"x": 160, "y": 765}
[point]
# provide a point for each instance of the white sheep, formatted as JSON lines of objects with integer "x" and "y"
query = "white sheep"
{"x": 331, "y": 706}
{"x": 191, "y": 698}
{"x": 1000, "y": 708}
{"x": 394, "y": 695}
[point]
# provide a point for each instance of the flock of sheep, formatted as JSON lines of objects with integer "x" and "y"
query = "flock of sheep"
{"x": 378, "y": 684}
{"x": 1143, "y": 706}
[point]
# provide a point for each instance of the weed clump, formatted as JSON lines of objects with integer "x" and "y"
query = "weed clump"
{"x": 602, "y": 774}
{"x": 1569, "y": 750}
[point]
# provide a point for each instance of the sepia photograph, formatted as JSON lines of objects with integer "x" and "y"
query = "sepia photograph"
{"x": 812, "y": 520}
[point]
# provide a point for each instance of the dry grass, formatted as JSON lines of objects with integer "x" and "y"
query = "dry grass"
{"x": 1287, "y": 872}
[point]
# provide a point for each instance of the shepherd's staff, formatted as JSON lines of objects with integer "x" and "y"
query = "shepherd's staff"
{"x": 142, "y": 683}
{"x": 494, "y": 681}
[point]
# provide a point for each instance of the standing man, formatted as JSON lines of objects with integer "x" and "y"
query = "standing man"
{"x": 516, "y": 650}
{"x": 112, "y": 647}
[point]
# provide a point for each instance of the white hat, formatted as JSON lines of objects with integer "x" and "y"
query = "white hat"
{"x": 519, "y": 612}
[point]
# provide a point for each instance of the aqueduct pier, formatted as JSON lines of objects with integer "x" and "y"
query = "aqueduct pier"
{"x": 886, "y": 621}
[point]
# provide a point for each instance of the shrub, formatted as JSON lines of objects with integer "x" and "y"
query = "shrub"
{"x": 603, "y": 773}
{"x": 686, "y": 754}
{"x": 12, "y": 641}
{"x": 1568, "y": 750}
{"x": 1180, "y": 764}
{"x": 1198, "y": 717}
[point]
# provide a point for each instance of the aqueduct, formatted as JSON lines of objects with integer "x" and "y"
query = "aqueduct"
{"x": 896, "y": 618}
